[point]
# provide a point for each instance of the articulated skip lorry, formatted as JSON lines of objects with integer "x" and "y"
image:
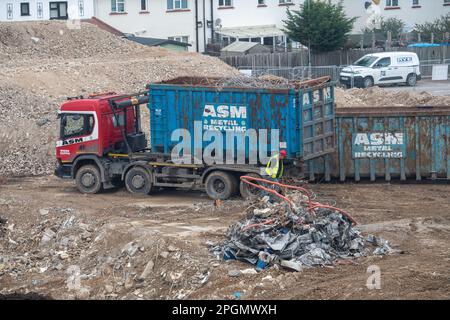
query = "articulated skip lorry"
{"x": 203, "y": 134}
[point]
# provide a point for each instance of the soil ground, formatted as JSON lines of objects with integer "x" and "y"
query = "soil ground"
{"x": 415, "y": 218}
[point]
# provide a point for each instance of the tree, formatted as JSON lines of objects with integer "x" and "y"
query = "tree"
{"x": 394, "y": 25}
{"x": 322, "y": 26}
{"x": 438, "y": 27}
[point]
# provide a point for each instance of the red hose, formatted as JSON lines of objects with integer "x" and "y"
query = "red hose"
{"x": 312, "y": 205}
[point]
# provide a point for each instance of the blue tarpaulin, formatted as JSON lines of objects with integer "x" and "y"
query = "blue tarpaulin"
{"x": 426, "y": 45}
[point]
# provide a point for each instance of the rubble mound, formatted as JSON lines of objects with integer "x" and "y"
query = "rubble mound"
{"x": 378, "y": 97}
{"x": 297, "y": 237}
{"x": 43, "y": 63}
{"x": 56, "y": 39}
{"x": 28, "y": 132}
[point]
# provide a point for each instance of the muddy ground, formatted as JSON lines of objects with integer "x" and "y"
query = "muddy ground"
{"x": 57, "y": 243}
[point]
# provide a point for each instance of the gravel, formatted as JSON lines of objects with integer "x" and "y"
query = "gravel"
{"x": 37, "y": 76}
{"x": 378, "y": 97}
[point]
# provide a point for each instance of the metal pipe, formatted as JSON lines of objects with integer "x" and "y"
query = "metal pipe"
{"x": 196, "y": 25}
{"x": 212, "y": 20}
{"x": 204, "y": 25}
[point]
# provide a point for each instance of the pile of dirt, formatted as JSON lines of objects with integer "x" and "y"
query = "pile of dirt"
{"x": 378, "y": 97}
{"x": 57, "y": 39}
{"x": 45, "y": 62}
{"x": 28, "y": 132}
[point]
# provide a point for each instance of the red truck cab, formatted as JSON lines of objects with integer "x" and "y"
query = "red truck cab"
{"x": 93, "y": 128}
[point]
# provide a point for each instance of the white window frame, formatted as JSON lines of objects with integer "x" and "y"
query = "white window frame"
{"x": 81, "y": 8}
{"x": 117, "y": 2}
{"x": 177, "y": 5}
{"x": 390, "y": 3}
{"x": 225, "y": 3}
{"x": 40, "y": 10}
{"x": 9, "y": 11}
{"x": 180, "y": 39}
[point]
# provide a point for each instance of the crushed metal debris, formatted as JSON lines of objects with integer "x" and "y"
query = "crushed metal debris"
{"x": 296, "y": 237}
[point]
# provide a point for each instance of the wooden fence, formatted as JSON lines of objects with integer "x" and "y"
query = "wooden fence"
{"x": 339, "y": 58}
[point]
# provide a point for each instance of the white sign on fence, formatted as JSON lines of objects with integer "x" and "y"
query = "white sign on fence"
{"x": 440, "y": 72}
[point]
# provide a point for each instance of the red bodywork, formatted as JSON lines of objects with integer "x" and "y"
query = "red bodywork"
{"x": 104, "y": 136}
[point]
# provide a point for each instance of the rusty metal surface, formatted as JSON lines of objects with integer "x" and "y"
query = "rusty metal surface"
{"x": 389, "y": 144}
{"x": 303, "y": 117}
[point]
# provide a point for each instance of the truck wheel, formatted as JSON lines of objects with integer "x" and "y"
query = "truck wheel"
{"x": 220, "y": 185}
{"x": 411, "y": 80}
{"x": 248, "y": 191}
{"x": 368, "y": 82}
{"x": 88, "y": 179}
{"x": 138, "y": 181}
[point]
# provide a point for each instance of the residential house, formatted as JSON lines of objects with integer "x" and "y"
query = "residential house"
{"x": 31, "y": 10}
{"x": 197, "y": 22}
{"x": 188, "y": 21}
{"x": 410, "y": 11}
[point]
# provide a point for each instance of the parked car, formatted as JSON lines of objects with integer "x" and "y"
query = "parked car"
{"x": 382, "y": 68}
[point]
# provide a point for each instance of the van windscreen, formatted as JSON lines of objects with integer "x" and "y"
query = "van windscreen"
{"x": 365, "y": 61}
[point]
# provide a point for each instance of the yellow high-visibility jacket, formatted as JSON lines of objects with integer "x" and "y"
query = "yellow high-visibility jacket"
{"x": 275, "y": 167}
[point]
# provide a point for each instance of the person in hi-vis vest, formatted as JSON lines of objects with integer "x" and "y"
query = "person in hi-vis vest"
{"x": 275, "y": 167}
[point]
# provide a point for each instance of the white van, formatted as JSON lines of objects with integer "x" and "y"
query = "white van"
{"x": 382, "y": 68}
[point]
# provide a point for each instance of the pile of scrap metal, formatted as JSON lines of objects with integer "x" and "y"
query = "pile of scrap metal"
{"x": 296, "y": 234}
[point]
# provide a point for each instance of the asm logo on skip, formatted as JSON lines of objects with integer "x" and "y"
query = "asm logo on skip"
{"x": 379, "y": 138}
{"x": 225, "y": 111}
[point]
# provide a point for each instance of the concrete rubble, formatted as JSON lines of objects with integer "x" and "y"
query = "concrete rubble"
{"x": 37, "y": 76}
{"x": 296, "y": 238}
{"x": 376, "y": 96}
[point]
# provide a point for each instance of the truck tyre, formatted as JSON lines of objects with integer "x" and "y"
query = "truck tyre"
{"x": 368, "y": 82}
{"x": 411, "y": 80}
{"x": 88, "y": 179}
{"x": 138, "y": 181}
{"x": 249, "y": 192}
{"x": 220, "y": 185}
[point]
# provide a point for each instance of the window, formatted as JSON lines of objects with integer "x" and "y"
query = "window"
{"x": 285, "y": 1}
{"x": 76, "y": 125}
{"x": 184, "y": 39}
{"x": 25, "y": 9}
{"x": 415, "y": 2}
{"x": 58, "y": 10}
{"x": 177, "y": 4}
{"x": 9, "y": 11}
{"x": 144, "y": 6}
{"x": 81, "y": 8}
{"x": 365, "y": 61}
{"x": 391, "y": 3}
{"x": 118, "y": 6}
{"x": 225, "y": 3}
{"x": 40, "y": 10}
{"x": 384, "y": 62}
{"x": 119, "y": 121}
{"x": 261, "y": 2}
